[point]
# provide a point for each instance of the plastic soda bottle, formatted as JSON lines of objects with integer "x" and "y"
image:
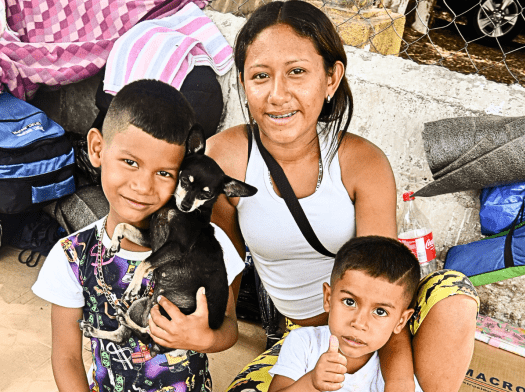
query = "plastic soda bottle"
{"x": 415, "y": 232}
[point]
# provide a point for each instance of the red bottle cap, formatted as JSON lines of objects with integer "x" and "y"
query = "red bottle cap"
{"x": 408, "y": 196}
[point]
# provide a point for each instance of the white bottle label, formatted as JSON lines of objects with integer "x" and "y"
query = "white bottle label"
{"x": 422, "y": 247}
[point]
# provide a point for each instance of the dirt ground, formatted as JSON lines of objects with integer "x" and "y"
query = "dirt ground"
{"x": 446, "y": 46}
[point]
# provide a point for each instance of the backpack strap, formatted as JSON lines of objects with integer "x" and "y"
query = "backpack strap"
{"x": 508, "y": 257}
{"x": 289, "y": 197}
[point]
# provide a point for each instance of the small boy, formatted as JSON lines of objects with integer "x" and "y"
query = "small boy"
{"x": 139, "y": 151}
{"x": 373, "y": 282}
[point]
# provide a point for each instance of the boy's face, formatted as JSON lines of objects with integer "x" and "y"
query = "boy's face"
{"x": 138, "y": 173}
{"x": 364, "y": 312}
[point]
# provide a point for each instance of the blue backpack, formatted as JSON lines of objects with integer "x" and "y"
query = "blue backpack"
{"x": 36, "y": 158}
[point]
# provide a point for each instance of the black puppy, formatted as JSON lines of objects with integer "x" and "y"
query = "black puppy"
{"x": 185, "y": 253}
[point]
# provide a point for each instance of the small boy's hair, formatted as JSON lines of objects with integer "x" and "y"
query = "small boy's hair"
{"x": 155, "y": 107}
{"x": 379, "y": 257}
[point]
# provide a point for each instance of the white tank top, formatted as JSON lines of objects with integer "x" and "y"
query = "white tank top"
{"x": 291, "y": 270}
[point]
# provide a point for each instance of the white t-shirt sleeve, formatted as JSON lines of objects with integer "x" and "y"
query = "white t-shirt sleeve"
{"x": 296, "y": 353}
{"x": 57, "y": 282}
{"x": 232, "y": 260}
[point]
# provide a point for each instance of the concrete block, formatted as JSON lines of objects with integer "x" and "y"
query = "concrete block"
{"x": 379, "y": 28}
{"x": 236, "y": 7}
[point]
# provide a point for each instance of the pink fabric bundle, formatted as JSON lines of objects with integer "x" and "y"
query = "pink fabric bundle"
{"x": 167, "y": 49}
{"x": 57, "y": 42}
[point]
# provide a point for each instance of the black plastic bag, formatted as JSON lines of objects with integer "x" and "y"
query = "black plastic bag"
{"x": 35, "y": 233}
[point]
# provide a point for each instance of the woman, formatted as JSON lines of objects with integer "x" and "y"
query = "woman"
{"x": 291, "y": 65}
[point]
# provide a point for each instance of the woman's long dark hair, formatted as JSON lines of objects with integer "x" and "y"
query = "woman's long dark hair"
{"x": 312, "y": 23}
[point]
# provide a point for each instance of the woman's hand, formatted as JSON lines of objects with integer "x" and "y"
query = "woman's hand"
{"x": 192, "y": 331}
{"x": 185, "y": 332}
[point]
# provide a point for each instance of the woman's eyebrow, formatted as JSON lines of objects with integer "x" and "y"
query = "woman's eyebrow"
{"x": 296, "y": 61}
{"x": 287, "y": 63}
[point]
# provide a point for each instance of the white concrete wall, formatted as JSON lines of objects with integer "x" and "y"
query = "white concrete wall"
{"x": 393, "y": 99}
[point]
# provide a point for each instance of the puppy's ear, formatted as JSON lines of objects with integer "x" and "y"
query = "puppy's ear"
{"x": 236, "y": 188}
{"x": 196, "y": 142}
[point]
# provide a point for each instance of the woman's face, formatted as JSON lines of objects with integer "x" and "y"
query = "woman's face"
{"x": 286, "y": 84}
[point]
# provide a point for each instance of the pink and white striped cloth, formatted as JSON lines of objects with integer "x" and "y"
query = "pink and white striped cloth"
{"x": 167, "y": 49}
{"x": 57, "y": 42}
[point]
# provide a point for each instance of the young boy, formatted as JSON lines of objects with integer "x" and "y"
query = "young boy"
{"x": 373, "y": 282}
{"x": 139, "y": 151}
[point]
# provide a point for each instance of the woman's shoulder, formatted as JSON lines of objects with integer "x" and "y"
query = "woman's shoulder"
{"x": 229, "y": 149}
{"x": 364, "y": 166}
{"x": 356, "y": 152}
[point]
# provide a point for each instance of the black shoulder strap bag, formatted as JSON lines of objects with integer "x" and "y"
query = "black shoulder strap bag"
{"x": 289, "y": 197}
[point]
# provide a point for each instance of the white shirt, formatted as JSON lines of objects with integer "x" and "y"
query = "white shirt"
{"x": 58, "y": 284}
{"x": 291, "y": 270}
{"x": 303, "y": 347}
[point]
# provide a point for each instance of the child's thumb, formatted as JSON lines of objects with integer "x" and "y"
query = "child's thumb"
{"x": 334, "y": 344}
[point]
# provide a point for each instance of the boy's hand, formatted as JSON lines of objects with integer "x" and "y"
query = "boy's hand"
{"x": 329, "y": 372}
{"x": 185, "y": 332}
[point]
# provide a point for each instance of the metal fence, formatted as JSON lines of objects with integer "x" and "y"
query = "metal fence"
{"x": 486, "y": 37}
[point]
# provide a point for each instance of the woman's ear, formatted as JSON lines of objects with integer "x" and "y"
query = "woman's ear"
{"x": 326, "y": 297}
{"x": 241, "y": 81}
{"x": 334, "y": 78}
{"x": 95, "y": 146}
{"x": 405, "y": 316}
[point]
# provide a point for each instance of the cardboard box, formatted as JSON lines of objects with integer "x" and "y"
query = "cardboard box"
{"x": 494, "y": 370}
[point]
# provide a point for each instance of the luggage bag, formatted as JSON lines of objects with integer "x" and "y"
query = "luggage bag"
{"x": 36, "y": 158}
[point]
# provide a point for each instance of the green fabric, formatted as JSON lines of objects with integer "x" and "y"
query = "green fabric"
{"x": 497, "y": 276}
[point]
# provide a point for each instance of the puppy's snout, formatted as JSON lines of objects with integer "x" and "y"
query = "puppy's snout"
{"x": 185, "y": 206}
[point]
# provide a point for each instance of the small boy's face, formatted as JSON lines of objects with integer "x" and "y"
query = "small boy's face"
{"x": 364, "y": 312}
{"x": 138, "y": 173}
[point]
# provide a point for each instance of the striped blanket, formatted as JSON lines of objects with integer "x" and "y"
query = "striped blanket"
{"x": 57, "y": 42}
{"x": 167, "y": 50}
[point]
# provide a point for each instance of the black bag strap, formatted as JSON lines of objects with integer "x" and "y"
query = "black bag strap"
{"x": 289, "y": 197}
{"x": 250, "y": 137}
{"x": 507, "y": 255}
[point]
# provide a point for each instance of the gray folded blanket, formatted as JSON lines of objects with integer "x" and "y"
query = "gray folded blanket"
{"x": 473, "y": 153}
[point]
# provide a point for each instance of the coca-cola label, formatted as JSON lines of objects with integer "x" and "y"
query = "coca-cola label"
{"x": 422, "y": 247}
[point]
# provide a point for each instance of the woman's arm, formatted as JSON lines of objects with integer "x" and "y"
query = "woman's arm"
{"x": 192, "y": 332}
{"x": 369, "y": 180}
{"x": 66, "y": 356}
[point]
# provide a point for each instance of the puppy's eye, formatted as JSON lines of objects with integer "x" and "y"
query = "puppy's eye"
{"x": 184, "y": 181}
{"x": 131, "y": 162}
{"x": 207, "y": 193}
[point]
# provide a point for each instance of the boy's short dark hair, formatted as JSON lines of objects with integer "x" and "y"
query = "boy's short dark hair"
{"x": 379, "y": 257}
{"x": 155, "y": 107}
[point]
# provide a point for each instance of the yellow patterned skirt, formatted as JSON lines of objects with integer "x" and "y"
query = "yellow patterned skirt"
{"x": 433, "y": 288}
